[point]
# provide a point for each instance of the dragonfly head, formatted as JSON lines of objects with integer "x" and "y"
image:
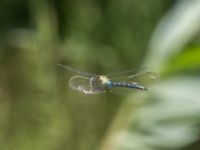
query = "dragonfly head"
{"x": 99, "y": 82}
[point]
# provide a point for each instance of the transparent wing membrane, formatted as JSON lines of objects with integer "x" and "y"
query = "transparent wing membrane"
{"x": 76, "y": 71}
{"x": 124, "y": 91}
{"x": 82, "y": 84}
{"x": 145, "y": 78}
{"x": 124, "y": 73}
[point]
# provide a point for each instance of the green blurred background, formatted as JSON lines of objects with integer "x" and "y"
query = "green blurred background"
{"x": 38, "y": 111}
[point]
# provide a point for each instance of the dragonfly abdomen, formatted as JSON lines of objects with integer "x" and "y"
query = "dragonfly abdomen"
{"x": 133, "y": 85}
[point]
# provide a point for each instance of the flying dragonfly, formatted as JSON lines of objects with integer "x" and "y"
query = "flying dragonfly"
{"x": 89, "y": 83}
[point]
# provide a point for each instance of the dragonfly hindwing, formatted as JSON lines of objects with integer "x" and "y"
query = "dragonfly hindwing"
{"x": 82, "y": 84}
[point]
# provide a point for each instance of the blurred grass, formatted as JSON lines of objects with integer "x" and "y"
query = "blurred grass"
{"x": 186, "y": 62}
{"x": 39, "y": 111}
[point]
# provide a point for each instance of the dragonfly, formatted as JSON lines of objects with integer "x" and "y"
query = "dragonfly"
{"x": 90, "y": 83}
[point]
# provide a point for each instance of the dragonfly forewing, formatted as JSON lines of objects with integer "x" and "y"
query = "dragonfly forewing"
{"x": 125, "y": 73}
{"x": 82, "y": 84}
{"x": 76, "y": 71}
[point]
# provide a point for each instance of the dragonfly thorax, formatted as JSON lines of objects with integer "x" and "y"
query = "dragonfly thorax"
{"x": 99, "y": 82}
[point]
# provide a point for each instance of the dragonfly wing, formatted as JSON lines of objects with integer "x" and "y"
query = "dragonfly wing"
{"x": 82, "y": 84}
{"x": 124, "y": 73}
{"x": 75, "y": 70}
{"x": 145, "y": 78}
{"x": 124, "y": 91}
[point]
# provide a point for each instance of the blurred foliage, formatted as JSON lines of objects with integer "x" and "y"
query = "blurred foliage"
{"x": 39, "y": 110}
{"x": 187, "y": 61}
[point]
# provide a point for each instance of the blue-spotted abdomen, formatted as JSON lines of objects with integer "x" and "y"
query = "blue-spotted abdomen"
{"x": 133, "y": 85}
